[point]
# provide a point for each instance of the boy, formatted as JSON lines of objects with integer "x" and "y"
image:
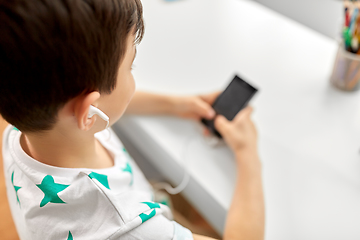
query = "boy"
{"x": 65, "y": 77}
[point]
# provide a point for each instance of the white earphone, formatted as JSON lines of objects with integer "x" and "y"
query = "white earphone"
{"x": 94, "y": 110}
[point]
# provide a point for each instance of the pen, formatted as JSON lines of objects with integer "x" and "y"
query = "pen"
{"x": 352, "y": 21}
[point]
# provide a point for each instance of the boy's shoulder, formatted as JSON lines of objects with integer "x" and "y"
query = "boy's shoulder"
{"x": 95, "y": 203}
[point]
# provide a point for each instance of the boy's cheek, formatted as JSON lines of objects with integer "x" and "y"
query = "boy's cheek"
{"x": 131, "y": 87}
{"x": 121, "y": 108}
{"x": 119, "y": 99}
{"x": 133, "y": 90}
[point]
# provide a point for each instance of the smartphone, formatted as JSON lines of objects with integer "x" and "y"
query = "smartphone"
{"x": 231, "y": 101}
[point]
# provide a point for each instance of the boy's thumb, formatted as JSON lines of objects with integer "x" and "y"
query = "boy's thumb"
{"x": 221, "y": 123}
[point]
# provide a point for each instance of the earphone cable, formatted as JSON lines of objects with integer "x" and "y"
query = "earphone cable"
{"x": 186, "y": 178}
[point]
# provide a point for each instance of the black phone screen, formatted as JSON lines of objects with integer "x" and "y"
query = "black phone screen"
{"x": 235, "y": 97}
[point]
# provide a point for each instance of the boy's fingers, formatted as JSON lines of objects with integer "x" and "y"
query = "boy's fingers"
{"x": 221, "y": 123}
{"x": 246, "y": 112}
{"x": 211, "y": 97}
{"x": 206, "y": 132}
{"x": 204, "y": 109}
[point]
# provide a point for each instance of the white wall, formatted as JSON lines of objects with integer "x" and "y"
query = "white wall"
{"x": 324, "y": 16}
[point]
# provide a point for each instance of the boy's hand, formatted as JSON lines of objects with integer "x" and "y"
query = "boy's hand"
{"x": 240, "y": 133}
{"x": 195, "y": 107}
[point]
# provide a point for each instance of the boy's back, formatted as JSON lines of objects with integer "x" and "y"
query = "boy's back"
{"x": 55, "y": 203}
{"x": 7, "y": 226}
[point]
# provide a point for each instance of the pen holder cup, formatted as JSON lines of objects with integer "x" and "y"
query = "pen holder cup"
{"x": 346, "y": 70}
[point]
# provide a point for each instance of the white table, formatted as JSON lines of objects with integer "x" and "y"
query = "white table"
{"x": 309, "y": 132}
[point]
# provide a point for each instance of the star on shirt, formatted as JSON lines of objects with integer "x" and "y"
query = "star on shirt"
{"x": 103, "y": 179}
{"x": 144, "y": 217}
{"x": 128, "y": 169}
{"x": 152, "y": 205}
{"x": 51, "y": 190}
{"x": 15, "y": 187}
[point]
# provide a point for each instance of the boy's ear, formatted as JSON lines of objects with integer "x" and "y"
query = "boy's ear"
{"x": 81, "y": 110}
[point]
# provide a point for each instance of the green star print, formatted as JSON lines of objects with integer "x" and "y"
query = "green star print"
{"x": 50, "y": 189}
{"x": 103, "y": 179}
{"x": 152, "y": 205}
{"x": 129, "y": 170}
{"x": 15, "y": 187}
{"x": 144, "y": 217}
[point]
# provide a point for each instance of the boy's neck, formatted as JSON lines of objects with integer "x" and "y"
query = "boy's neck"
{"x": 61, "y": 149}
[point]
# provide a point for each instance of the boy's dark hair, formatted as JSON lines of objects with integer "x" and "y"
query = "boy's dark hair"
{"x": 54, "y": 50}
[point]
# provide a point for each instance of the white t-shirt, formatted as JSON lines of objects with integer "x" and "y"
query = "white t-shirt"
{"x": 79, "y": 203}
